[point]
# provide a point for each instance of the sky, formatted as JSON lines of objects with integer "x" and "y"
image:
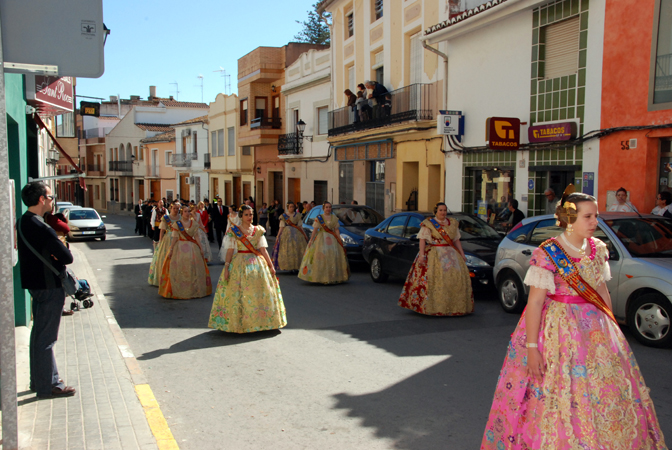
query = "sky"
{"x": 156, "y": 43}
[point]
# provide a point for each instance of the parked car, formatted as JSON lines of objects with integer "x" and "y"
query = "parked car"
{"x": 640, "y": 259}
{"x": 391, "y": 247}
{"x": 353, "y": 221}
{"x": 85, "y": 223}
{"x": 62, "y": 208}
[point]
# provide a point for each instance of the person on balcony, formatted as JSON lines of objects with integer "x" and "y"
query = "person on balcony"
{"x": 363, "y": 108}
{"x": 352, "y": 99}
{"x": 379, "y": 94}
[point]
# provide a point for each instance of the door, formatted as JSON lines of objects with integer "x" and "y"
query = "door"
{"x": 89, "y": 189}
{"x": 278, "y": 191}
{"x": 155, "y": 188}
{"x": 558, "y": 180}
{"x": 247, "y": 190}
{"x": 184, "y": 187}
{"x": 294, "y": 190}
{"x": 237, "y": 190}
{"x": 215, "y": 187}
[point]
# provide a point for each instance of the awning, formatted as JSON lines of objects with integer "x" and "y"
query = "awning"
{"x": 41, "y": 124}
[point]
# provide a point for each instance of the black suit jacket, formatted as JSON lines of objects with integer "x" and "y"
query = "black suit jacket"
{"x": 219, "y": 219}
{"x": 138, "y": 210}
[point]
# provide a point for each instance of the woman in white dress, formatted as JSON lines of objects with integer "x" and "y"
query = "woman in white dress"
{"x": 622, "y": 204}
{"x": 201, "y": 235}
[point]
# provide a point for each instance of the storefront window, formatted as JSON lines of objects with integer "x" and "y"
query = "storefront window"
{"x": 665, "y": 176}
{"x": 493, "y": 188}
{"x": 663, "y": 63}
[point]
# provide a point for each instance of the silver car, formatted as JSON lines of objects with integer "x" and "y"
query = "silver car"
{"x": 640, "y": 259}
{"x": 85, "y": 223}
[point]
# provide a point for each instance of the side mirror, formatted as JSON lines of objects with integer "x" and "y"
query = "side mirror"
{"x": 103, "y": 217}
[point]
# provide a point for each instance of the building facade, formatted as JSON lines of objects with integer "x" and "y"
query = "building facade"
{"x": 160, "y": 178}
{"x": 191, "y": 148}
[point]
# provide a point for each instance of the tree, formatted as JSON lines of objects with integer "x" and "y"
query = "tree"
{"x": 314, "y": 31}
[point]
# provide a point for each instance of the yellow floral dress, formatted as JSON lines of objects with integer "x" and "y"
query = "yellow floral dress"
{"x": 325, "y": 260}
{"x": 290, "y": 245}
{"x": 185, "y": 274}
{"x": 250, "y": 300}
{"x": 161, "y": 252}
{"x": 441, "y": 286}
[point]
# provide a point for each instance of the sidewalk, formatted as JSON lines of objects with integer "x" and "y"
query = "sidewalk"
{"x": 113, "y": 407}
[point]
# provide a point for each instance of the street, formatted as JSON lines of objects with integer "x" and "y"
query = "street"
{"x": 352, "y": 370}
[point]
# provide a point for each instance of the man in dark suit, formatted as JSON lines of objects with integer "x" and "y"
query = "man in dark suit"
{"x": 219, "y": 217}
{"x": 147, "y": 218}
{"x": 139, "y": 222}
{"x": 209, "y": 207}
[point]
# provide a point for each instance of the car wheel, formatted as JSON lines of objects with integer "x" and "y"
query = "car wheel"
{"x": 103, "y": 238}
{"x": 376, "y": 270}
{"x": 511, "y": 293}
{"x": 649, "y": 320}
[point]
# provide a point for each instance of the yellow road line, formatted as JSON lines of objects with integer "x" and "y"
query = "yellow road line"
{"x": 157, "y": 423}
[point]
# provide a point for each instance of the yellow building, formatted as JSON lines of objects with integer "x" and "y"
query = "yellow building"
{"x": 230, "y": 167}
{"x": 392, "y": 158}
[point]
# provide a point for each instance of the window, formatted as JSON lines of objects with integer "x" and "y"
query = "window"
{"x": 169, "y": 155}
{"x": 545, "y": 229}
{"x": 416, "y": 59}
{"x": 412, "y": 227}
{"x": 562, "y": 48}
{"x": 195, "y": 140}
{"x": 96, "y": 189}
{"x": 377, "y": 9}
{"x": 169, "y": 195}
{"x": 349, "y": 25}
{"x": 319, "y": 191}
{"x": 322, "y": 120}
{"x": 352, "y": 84}
{"x": 247, "y": 150}
{"x": 259, "y": 107}
{"x": 311, "y": 216}
{"x": 662, "y": 85}
{"x": 220, "y": 142}
{"x": 231, "y": 135}
{"x": 377, "y": 171}
{"x": 380, "y": 75}
{"x": 345, "y": 182}
{"x": 243, "y": 112}
{"x": 65, "y": 125}
{"x": 213, "y": 143}
{"x": 396, "y": 226}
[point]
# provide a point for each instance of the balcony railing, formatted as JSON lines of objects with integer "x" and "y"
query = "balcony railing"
{"x": 95, "y": 133}
{"x": 153, "y": 171}
{"x": 206, "y": 161}
{"x": 410, "y": 103}
{"x": 183, "y": 159}
{"x": 266, "y": 122}
{"x": 290, "y": 144}
{"x": 95, "y": 168}
{"x": 121, "y": 166}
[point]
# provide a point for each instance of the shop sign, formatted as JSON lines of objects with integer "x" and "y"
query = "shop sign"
{"x": 483, "y": 209}
{"x": 552, "y": 132}
{"x": 450, "y": 123}
{"x": 89, "y": 109}
{"x": 502, "y": 133}
{"x": 55, "y": 91}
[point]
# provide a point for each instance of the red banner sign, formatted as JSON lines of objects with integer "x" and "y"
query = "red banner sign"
{"x": 502, "y": 133}
{"x": 55, "y": 91}
{"x": 552, "y": 132}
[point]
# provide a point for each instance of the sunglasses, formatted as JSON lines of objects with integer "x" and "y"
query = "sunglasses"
{"x": 51, "y": 197}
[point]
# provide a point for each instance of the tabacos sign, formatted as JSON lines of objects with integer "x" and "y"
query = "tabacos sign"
{"x": 563, "y": 131}
{"x": 502, "y": 133}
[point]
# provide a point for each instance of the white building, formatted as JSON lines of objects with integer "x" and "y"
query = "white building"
{"x": 189, "y": 159}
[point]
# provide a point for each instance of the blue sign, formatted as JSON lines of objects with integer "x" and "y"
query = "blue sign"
{"x": 530, "y": 184}
{"x": 589, "y": 183}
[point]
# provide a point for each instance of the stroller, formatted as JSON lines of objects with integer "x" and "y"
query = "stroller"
{"x": 83, "y": 295}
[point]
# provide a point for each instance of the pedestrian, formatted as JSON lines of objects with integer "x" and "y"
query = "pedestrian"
{"x": 211, "y": 229}
{"x": 219, "y": 213}
{"x": 45, "y": 288}
{"x": 663, "y": 202}
{"x": 157, "y": 214}
{"x": 290, "y": 245}
{"x": 146, "y": 218}
{"x": 516, "y": 214}
{"x": 551, "y": 201}
{"x": 363, "y": 109}
{"x": 438, "y": 283}
{"x": 139, "y": 222}
{"x": 248, "y": 297}
{"x": 185, "y": 273}
{"x": 275, "y": 217}
{"x": 379, "y": 96}
{"x": 263, "y": 215}
{"x": 352, "y": 113}
{"x": 159, "y": 257}
{"x": 622, "y": 204}
{"x": 570, "y": 379}
{"x": 201, "y": 236}
{"x": 325, "y": 260}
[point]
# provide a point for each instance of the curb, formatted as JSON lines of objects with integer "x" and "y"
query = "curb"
{"x": 155, "y": 418}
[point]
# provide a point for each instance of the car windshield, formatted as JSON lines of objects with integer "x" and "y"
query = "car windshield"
{"x": 358, "y": 216}
{"x": 83, "y": 215}
{"x": 474, "y": 228}
{"x": 644, "y": 237}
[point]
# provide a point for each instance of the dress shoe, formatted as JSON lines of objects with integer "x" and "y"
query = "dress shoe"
{"x": 67, "y": 312}
{"x": 56, "y": 392}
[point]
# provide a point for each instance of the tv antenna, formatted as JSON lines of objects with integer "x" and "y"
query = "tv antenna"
{"x": 227, "y": 79}
{"x": 200, "y": 77}
{"x": 177, "y": 91}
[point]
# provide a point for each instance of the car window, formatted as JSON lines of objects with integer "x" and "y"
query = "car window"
{"x": 545, "y": 229}
{"x": 643, "y": 236}
{"x": 83, "y": 215}
{"x": 472, "y": 227}
{"x": 601, "y": 235}
{"x": 412, "y": 227}
{"x": 311, "y": 216}
{"x": 519, "y": 235}
{"x": 396, "y": 226}
{"x": 358, "y": 216}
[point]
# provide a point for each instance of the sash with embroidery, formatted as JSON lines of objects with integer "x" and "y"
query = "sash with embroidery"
{"x": 570, "y": 274}
{"x": 329, "y": 230}
{"x": 242, "y": 238}
{"x": 293, "y": 225}
{"x": 159, "y": 213}
{"x": 184, "y": 234}
{"x": 441, "y": 231}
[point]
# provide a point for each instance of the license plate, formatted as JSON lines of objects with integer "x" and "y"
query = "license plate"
{"x": 88, "y": 232}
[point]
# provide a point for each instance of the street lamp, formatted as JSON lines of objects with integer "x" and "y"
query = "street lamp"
{"x": 301, "y": 127}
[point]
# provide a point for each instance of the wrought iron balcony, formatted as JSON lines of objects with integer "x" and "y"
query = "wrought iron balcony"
{"x": 409, "y": 103}
{"x": 183, "y": 159}
{"x": 125, "y": 167}
{"x": 93, "y": 169}
{"x": 290, "y": 144}
{"x": 266, "y": 122}
{"x": 206, "y": 161}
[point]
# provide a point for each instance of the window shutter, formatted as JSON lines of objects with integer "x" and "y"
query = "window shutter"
{"x": 562, "y": 48}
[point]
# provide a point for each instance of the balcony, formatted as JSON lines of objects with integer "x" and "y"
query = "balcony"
{"x": 410, "y": 103}
{"x": 95, "y": 133}
{"x": 95, "y": 169}
{"x": 266, "y": 122}
{"x": 183, "y": 159}
{"x": 290, "y": 144}
{"x": 206, "y": 161}
{"x": 125, "y": 167}
{"x": 153, "y": 171}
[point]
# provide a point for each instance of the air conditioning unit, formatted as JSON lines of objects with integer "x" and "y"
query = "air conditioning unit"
{"x": 633, "y": 144}
{"x": 53, "y": 155}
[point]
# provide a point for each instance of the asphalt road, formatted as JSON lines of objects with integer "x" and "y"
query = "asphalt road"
{"x": 352, "y": 370}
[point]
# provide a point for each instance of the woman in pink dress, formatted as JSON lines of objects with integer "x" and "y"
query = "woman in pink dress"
{"x": 570, "y": 379}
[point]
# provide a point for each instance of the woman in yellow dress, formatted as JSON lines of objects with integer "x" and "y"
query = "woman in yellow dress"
{"x": 248, "y": 297}
{"x": 290, "y": 245}
{"x": 325, "y": 260}
{"x": 185, "y": 273}
{"x": 164, "y": 243}
{"x": 438, "y": 283}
